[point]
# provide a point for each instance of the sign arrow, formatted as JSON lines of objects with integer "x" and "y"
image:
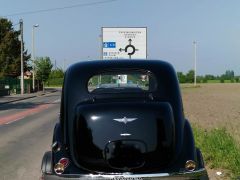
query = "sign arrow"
{"x": 130, "y": 41}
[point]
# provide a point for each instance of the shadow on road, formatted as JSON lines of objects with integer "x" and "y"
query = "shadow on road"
{"x": 25, "y": 104}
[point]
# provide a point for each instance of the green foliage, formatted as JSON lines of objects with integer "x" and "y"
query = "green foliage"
{"x": 43, "y": 67}
{"x": 55, "y": 82}
{"x": 190, "y": 76}
{"x": 10, "y": 50}
{"x": 210, "y": 77}
{"x": 228, "y": 77}
{"x": 181, "y": 77}
{"x": 236, "y": 79}
{"x": 221, "y": 80}
{"x": 204, "y": 80}
{"x": 56, "y": 73}
{"x": 219, "y": 149}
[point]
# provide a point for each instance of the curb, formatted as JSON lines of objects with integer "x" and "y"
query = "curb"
{"x": 33, "y": 96}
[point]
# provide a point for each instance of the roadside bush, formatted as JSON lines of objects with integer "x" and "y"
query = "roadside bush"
{"x": 56, "y": 82}
{"x": 237, "y": 79}
{"x": 204, "y": 80}
{"x": 219, "y": 149}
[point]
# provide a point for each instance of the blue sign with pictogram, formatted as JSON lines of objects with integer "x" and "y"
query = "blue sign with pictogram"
{"x": 109, "y": 44}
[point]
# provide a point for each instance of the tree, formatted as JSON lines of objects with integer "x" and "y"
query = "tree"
{"x": 181, "y": 77}
{"x": 190, "y": 76}
{"x": 10, "y": 49}
{"x": 43, "y": 67}
{"x": 210, "y": 77}
{"x": 56, "y": 73}
{"x": 237, "y": 79}
{"x": 229, "y": 74}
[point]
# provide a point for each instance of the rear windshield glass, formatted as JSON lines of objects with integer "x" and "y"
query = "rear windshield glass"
{"x": 121, "y": 82}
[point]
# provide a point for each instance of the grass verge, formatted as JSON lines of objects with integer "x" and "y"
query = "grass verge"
{"x": 219, "y": 149}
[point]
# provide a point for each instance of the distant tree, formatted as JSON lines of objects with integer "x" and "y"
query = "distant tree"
{"x": 236, "y": 79}
{"x": 222, "y": 78}
{"x": 200, "y": 79}
{"x": 205, "y": 80}
{"x": 210, "y": 77}
{"x": 43, "y": 67}
{"x": 229, "y": 74}
{"x": 10, "y": 49}
{"x": 190, "y": 76}
{"x": 56, "y": 73}
{"x": 181, "y": 77}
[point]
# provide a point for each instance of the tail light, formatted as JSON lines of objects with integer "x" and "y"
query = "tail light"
{"x": 62, "y": 164}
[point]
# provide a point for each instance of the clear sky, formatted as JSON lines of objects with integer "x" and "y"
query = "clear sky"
{"x": 73, "y": 33}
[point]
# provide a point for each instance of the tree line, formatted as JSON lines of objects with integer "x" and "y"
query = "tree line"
{"x": 189, "y": 77}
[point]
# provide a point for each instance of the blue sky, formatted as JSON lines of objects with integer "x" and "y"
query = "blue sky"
{"x": 173, "y": 25}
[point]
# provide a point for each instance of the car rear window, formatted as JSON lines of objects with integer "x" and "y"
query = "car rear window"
{"x": 121, "y": 82}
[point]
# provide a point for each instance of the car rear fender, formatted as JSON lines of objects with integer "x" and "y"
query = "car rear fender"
{"x": 46, "y": 166}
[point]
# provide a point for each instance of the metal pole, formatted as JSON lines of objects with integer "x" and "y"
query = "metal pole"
{"x": 195, "y": 62}
{"x": 33, "y": 60}
{"x": 101, "y": 46}
{"x": 33, "y": 54}
{"x": 22, "y": 80}
{"x": 101, "y": 55}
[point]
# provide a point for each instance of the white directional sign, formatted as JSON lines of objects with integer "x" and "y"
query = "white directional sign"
{"x": 124, "y": 43}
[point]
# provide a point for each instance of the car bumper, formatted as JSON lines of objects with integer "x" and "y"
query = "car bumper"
{"x": 198, "y": 174}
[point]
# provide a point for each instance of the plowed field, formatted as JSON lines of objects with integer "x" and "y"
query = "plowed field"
{"x": 214, "y": 106}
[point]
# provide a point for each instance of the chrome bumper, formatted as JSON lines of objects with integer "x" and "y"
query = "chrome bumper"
{"x": 198, "y": 174}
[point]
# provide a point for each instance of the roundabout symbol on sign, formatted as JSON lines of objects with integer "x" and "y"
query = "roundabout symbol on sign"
{"x": 129, "y": 49}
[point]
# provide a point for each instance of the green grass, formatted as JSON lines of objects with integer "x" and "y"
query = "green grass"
{"x": 218, "y": 81}
{"x": 219, "y": 149}
{"x": 213, "y": 81}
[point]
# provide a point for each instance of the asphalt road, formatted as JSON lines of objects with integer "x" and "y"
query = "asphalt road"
{"x": 26, "y": 129}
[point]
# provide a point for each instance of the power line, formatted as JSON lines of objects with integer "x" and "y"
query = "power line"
{"x": 60, "y": 8}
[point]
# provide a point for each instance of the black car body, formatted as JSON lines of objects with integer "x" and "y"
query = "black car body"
{"x": 109, "y": 129}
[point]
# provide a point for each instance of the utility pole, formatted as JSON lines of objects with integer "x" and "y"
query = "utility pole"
{"x": 195, "y": 62}
{"x": 101, "y": 55}
{"x": 33, "y": 55}
{"x": 22, "y": 80}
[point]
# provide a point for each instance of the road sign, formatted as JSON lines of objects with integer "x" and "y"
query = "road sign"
{"x": 124, "y": 43}
{"x": 109, "y": 45}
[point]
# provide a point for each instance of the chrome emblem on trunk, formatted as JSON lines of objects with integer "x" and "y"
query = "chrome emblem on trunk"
{"x": 125, "y": 120}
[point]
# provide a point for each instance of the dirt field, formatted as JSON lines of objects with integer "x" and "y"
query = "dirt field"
{"x": 214, "y": 106}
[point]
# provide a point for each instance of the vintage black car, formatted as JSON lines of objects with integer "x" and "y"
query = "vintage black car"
{"x": 122, "y": 119}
